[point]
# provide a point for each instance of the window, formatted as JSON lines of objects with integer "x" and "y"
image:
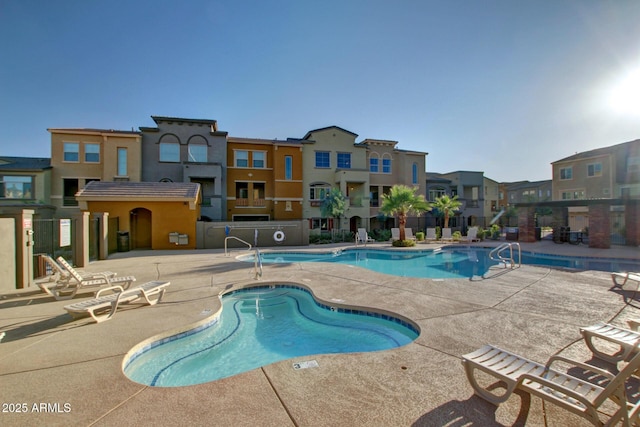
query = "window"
{"x": 197, "y": 152}
{"x": 566, "y": 173}
{"x": 16, "y": 187}
{"x": 594, "y": 169}
{"x": 170, "y": 152}
{"x": 70, "y": 188}
{"x": 122, "y": 161}
{"x": 288, "y": 167}
{"x": 92, "y": 153}
{"x": 71, "y": 152}
{"x": 386, "y": 165}
{"x": 321, "y": 223}
{"x": 373, "y": 164}
{"x": 241, "y": 158}
{"x": 344, "y": 160}
{"x": 414, "y": 174}
{"x": 322, "y": 159}
{"x": 242, "y": 191}
{"x": 374, "y": 196}
{"x": 573, "y": 195}
{"x": 319, "y": 192}
{"x": 258, "y": 159}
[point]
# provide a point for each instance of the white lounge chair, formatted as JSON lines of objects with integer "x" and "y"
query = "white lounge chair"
{"x": 395, "y": 234}
{"x": 431, "y": 235}
{"x": 571, "y": 393}
{"x": 625, "y": 341}
{"x": 408, "y": 234}
{"x": 363, "y": 237}
{"x": 103, "y": 308}
{"x": 61, "y": 274}
{"x": 67, "y": 288}
{"x": 446, "y": 235}
{"x": 629, "y": 275}
{"x": 472, "y": 235}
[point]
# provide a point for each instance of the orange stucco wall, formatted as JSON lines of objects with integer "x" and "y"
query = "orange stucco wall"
{"x": 166, "y": 217}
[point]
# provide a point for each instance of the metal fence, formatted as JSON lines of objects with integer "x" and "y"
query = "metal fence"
{"x": 46, "y": 240}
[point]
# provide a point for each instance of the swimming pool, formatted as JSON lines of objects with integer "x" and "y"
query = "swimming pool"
{"x": 445, "y": 263}
{"x": 259, "y": 326}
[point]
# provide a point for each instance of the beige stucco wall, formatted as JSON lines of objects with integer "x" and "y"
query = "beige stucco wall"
{"x": 335, "y": 140}
{"x": 104, "y": 170}
{"x": 8, "y": 255}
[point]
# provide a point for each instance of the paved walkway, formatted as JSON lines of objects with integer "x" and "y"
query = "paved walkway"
{"x": 67, "y": 372}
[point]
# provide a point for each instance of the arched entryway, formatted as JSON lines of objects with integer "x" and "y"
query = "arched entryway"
{"x": 140, "y": 219}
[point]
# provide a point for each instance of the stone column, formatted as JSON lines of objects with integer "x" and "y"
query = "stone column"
{"x": 24, "y": 249}
{"x": 103, "y": 234}
{"x": 600, "y": 226}
{"x": 81, "y": 249}
{"x": 526, "y": 224}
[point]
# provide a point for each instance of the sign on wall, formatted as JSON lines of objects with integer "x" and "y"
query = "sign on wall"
{"x": 65, "y": 232}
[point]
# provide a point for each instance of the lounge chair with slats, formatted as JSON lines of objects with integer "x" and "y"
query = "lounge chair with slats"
{"x": 564, "y": 390}
{"x": 625, "y": 341}
{"x": 68, "y": 287}
{"x": 104, "y": 307}
{"x": 624, "y": 277}
{"x": 431, "y": 235}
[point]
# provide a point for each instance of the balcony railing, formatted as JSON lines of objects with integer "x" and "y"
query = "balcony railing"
{"x": 259, "y": 203}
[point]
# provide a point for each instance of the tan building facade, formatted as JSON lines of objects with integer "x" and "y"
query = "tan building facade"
{"x": 389, "y": 166}
{"x": 332, "y": 159}
{"x": 79, "y": 156}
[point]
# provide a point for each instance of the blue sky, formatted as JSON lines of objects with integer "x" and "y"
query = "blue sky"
{"x": 503, "y": 87}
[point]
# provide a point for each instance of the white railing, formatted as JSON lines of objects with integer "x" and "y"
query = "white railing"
{"x": 498, "y": 254}
{"x": 235, "y": 238}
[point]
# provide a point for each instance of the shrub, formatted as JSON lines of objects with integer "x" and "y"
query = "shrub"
{"x": 456, "y": 235}
{"x": 403, "y": 243}
{"x": 381, "y": 235}
{"x": 420, "y": 236}
{"x": 495, "y": 232}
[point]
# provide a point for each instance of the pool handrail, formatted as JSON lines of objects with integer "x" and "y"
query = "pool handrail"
{"x": 496, "y": 254}
{"x": 236, "y": 238}
{"x": 257, "y": 263}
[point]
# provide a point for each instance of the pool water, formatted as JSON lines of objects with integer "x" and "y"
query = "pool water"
{"x": 448, "y": 263}
{"x": 259, "y": 326}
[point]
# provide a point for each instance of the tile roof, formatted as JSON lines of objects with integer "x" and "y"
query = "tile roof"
{"x": 24, "y": 163}
{"x": 599, "y": 151}
{"x": 152, "y": 191}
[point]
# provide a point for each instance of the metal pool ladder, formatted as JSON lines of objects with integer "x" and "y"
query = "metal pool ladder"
{"x": 257, "y": 265}
{"x": 226, "y": 253}
{"x": 498, "y": 254}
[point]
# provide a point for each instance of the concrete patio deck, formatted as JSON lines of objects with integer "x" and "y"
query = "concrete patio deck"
{"x": 69, "y": 372}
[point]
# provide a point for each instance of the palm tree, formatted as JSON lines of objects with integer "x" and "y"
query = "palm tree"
{"x": 447, "y": 206}
{"x": 333, "y": 205}
{"x": 401, "y": 201}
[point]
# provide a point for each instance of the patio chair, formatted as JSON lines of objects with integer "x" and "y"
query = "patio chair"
{"x": 395, "y": 234}
{"x": 472, "y": 235}
{"x": 61, "y": 274}
{"x": 431, "y": 235}
{"x": 625, "y": 341}
{"x": 626, "y": 276}
{"x": 103, "y": 308}
{"x": 446, "y": 235}
{"x": 564, "y": 390}
{"x": 67, "y": 288}
{"x": 363, "y": 237}
{"x": 408, "y": 234}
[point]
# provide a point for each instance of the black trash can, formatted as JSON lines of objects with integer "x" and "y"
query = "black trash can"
{"x": 512, "y": 233}
{"x": 123, "y": 241}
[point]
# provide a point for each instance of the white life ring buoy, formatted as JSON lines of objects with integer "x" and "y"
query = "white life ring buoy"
{"x": 278, "y": 236}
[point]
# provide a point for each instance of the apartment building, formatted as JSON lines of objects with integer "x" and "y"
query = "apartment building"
{"x": 389, "y": 166}
{"x": 264, "y": 179}
{"x": 79, "y": 156}
{"x": 25, "y": 182}
{"x": 604, "y": 173}
{"x": 332, "y": 159}
{"x": 188, "y": 150}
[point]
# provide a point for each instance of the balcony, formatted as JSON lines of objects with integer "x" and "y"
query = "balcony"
{"x": 255, "y": 203}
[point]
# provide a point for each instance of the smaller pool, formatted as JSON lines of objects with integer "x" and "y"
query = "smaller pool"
{"x": 259, "y": 326}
